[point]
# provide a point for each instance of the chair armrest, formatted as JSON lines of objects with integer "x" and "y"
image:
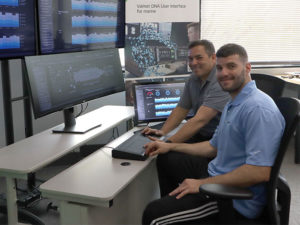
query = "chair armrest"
{"x": 225, "y": 191}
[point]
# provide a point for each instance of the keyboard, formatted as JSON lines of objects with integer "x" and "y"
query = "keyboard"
{"x": 132, "y": 148}
{"x": 157, "y": 126}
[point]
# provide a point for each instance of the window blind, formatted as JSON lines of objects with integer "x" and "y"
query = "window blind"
{"x": 268, "y": 29}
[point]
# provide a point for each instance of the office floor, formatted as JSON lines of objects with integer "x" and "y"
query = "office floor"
{"x": 51, "y": 217}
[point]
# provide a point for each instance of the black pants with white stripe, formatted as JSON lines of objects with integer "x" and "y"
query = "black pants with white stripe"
{"x": 190, "y": 209}
{"x": 173, "y": 168}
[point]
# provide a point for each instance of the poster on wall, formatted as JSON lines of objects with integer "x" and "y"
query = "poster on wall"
{"x": 157, "y": 34}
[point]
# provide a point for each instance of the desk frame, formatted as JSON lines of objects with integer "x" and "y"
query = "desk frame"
{"x": 105, "y": 193}
{"x": 16, "y": 160}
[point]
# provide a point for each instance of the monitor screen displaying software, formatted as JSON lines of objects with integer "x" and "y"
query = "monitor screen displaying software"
{"x": 80, "y": 25}
{"x": 155, "y": 101}
{"x": 17, "y": 28}
{"x": 64, "y": 80}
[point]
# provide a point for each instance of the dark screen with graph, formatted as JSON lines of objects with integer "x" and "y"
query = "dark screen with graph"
{"x": 60, "y": 81}
{"x": 17, "y": 28}
{"x": 155, "y": 101}
{"x": 79, "y": 25}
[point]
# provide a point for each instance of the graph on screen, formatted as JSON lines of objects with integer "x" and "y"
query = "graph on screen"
{"x": 79, "y": 25}
{"x": 17, "y": 28}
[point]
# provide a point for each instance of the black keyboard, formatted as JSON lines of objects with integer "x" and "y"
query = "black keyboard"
{"x": 132, "y": 148}
{"x": 157, "y": 126}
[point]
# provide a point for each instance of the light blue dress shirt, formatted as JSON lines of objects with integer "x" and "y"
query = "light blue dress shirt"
{"x": 249, "y": 132}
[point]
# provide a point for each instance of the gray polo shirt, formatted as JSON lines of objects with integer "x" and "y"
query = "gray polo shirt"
{"x": 208, "y": 93}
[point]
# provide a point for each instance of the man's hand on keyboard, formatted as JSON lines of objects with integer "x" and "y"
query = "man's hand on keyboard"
{"x": 150, "y": 131}
{"x": 157, "y": 147}
{"x": 154, "y": 138}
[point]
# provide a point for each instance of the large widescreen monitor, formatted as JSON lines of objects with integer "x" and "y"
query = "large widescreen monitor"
{"x": 79, "y": 25}
{"x": 17, "y": 28}
{"x": 58, "y": 82}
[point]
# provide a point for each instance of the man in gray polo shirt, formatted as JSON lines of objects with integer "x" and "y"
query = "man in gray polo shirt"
{"x": 202, "y": 94}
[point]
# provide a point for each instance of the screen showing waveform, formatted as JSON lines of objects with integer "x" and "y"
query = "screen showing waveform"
{"x": 81, "y": 25}
{"x": 94, "y": 21}
{"x": 11, "y": 42}
{"x": 163, "y": 100}
{"x": 165, "y": 106}
{"x": 94, "y": 6}
{"x": 9, "y": 20}
{"x": 17, "y": 28}
{"x": 155, "y": 101}
{"x": 9, "y": 2}
{"x": 94, "y": 38}
{"x": 163, "y": 113}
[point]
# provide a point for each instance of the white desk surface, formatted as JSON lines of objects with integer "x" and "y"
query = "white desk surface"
{"x": 289, "y": 80}
{"x": 37, "y": 151}
{"x": 96, "y": 179}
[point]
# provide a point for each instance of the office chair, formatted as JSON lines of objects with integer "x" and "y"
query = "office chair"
{"x": 278, "y": 192}
{"x": 271, "y": 85}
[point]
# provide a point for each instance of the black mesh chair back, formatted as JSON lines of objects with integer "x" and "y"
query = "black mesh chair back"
{"x": 290, "y": 109}
{"x": 271, "y": 85}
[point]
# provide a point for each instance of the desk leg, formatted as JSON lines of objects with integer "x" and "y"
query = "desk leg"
{"x": 11, "y": 195}
{"x": 72, "y": 213}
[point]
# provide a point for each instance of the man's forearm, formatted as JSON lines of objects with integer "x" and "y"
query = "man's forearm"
{"x": 176, "y": 117}
{"x": 188, "y": 130}
{"x": 244, "y": 176}
{"x": 204, "y": 149}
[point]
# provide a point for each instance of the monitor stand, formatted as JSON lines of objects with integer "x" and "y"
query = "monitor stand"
{"x": 70, "y": 125}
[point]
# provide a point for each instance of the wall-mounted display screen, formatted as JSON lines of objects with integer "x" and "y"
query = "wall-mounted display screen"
{"x": 17, "y": 28}
{"x": 79, "y": 25}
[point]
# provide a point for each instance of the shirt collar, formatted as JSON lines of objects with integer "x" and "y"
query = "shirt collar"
{"x": 244, "y": 93}
{"x": 210, "y": 77}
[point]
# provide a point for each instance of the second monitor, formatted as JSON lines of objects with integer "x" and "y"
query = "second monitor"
{"x": 58, "y": 82}
{"x": 155, "y": 101}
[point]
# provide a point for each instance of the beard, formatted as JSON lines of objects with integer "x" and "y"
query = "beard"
{"x": 237, "y": 84}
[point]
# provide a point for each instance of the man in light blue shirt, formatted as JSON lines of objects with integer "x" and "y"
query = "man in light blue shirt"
{"x": 244, "y": 145}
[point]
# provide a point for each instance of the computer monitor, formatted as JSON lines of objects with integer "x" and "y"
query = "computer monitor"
{"x": 17, "y": 28}
{"x": 155, "y": 101}
{"x": 79, "y": 25}
{"x": 58, "y": 82}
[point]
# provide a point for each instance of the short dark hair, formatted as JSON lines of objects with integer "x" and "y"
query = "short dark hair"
{"x": 208, "y": 46}
{"x": 232, "y": 49}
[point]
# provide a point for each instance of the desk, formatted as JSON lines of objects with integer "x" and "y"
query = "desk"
{"x": 33, "y": 153}
{"x": 295, "y": 81}
{"x": 99, "y": 190}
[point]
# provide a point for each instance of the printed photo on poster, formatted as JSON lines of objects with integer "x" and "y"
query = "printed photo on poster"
{"x": 158, "y": 49}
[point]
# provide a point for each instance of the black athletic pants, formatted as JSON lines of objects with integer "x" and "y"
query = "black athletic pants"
{"x": 173, "y": 168}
